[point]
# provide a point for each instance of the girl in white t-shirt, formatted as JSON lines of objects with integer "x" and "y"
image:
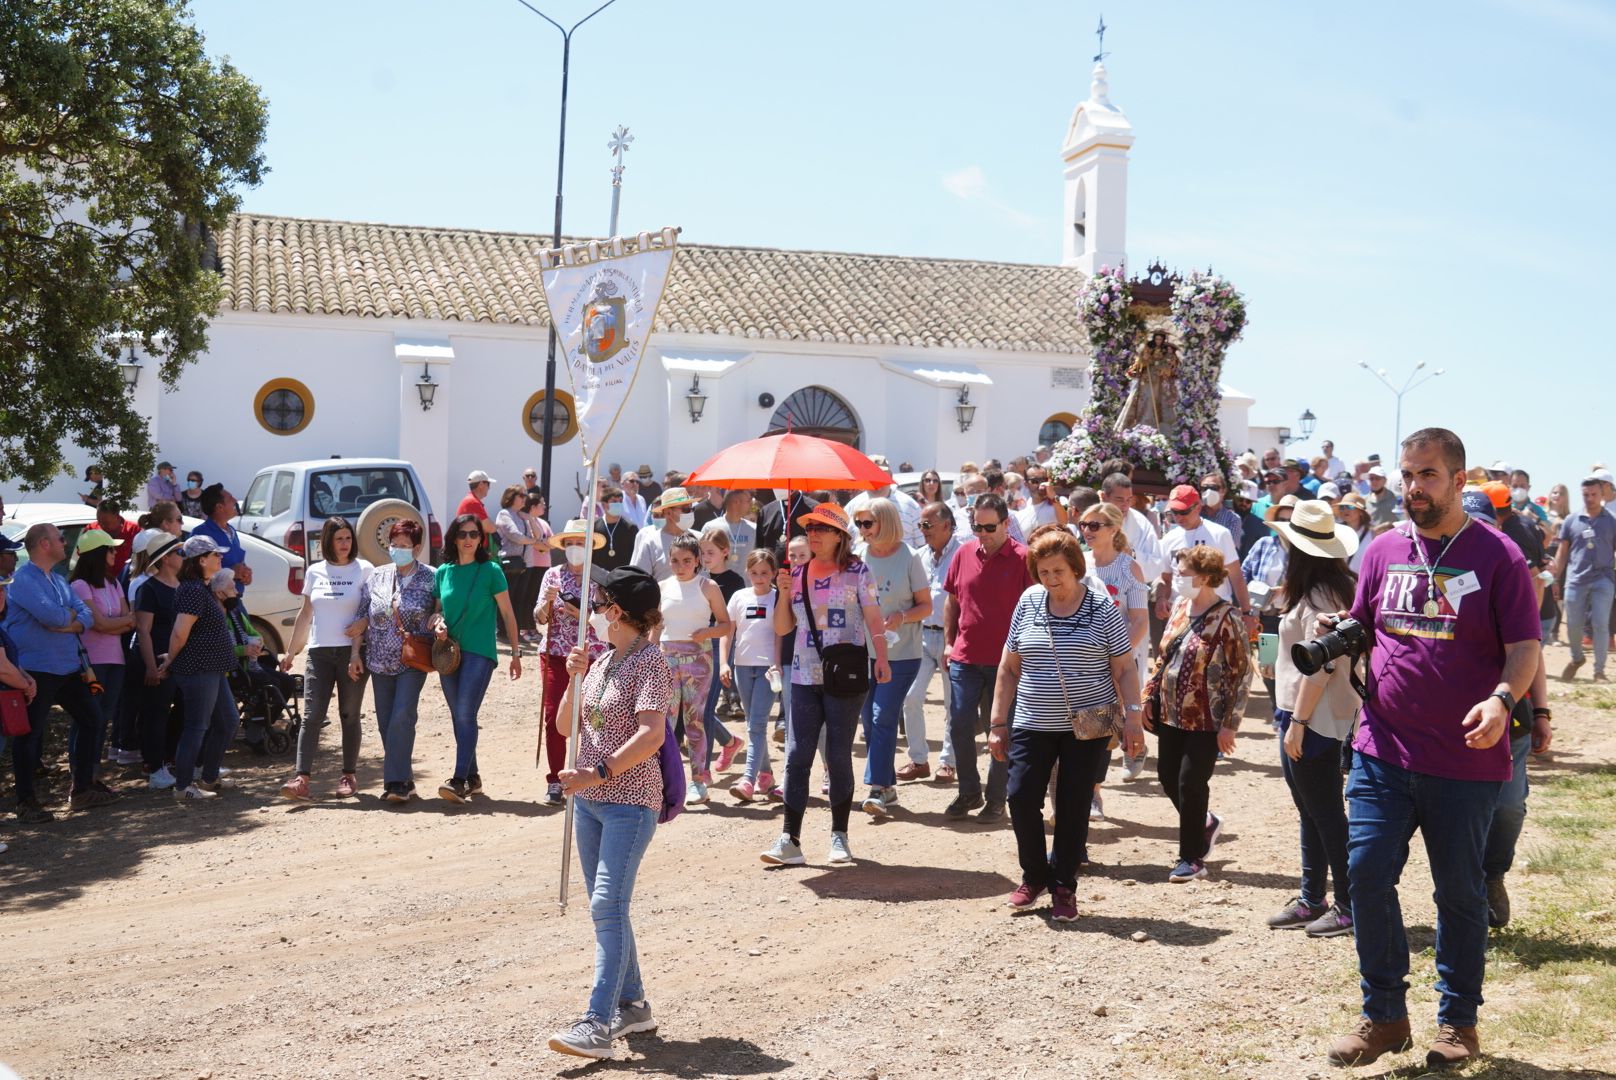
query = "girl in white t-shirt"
{"x": 747, "y": 660}
{"x": 327, "y": 621}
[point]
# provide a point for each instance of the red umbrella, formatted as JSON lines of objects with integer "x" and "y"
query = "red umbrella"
{"x": 797, "y": 462}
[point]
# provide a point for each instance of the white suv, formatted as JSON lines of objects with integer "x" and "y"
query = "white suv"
{"x": 288, "y": 504}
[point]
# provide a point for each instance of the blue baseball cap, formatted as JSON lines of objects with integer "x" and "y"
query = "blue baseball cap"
{"x": 1478, "y": 504}
{"x": 8, "y": 544}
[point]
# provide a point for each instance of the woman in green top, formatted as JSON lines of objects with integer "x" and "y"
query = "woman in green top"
{"x": 471, "y": 594}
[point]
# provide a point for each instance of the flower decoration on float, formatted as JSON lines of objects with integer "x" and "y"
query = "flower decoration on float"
{"x": 1205, "y": 314}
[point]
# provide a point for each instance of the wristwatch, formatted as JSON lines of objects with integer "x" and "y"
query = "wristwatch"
{"x": 600, "y": 771}
{"x": 1136, "y": 708}
{"x": 1506, "y": 697}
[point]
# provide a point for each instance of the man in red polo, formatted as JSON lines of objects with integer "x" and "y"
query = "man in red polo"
{"x": 986, "y": 578}
{"x": 109, "y": 519}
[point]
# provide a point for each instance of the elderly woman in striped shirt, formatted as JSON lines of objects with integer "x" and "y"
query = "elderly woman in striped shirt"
{"x": 1068, "y": 668}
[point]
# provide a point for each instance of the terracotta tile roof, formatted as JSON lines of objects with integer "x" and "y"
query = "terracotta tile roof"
{"x": 306, "y": 266}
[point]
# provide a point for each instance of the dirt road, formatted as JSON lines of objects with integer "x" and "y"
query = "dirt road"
{"x": 255, "y": 938}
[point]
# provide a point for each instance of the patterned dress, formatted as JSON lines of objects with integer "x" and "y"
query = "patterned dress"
{"x": 1204, "y": 682}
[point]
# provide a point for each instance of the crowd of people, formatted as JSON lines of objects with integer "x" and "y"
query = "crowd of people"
{"x": 1061, "y": 622}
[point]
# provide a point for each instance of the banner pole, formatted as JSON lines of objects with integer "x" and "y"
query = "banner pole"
{"x": 575, "y": 710}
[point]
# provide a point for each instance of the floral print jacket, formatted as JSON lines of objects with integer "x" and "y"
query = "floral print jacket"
{"x": 1202, "y": 685}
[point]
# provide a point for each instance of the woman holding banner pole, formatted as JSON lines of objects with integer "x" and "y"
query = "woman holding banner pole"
{"x": 617, "y": 783}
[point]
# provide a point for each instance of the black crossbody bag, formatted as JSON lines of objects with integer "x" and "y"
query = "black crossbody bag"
{"x": 846, "y": 667}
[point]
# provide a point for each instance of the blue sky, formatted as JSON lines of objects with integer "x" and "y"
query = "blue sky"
{"x": 1385, "y": 182}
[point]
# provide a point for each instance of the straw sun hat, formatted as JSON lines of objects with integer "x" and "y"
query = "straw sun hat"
{"x": 578, "y": 529}
{"x": 827, "y": 513}
{"x": 1314, "y": 529}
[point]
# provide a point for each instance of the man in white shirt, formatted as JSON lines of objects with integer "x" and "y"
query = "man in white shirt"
{"x": 936, "y": 554}
{"x": 742, "y": 532}
{"x": 1334, "y": 466}
{"x": 634, "y": 508}
{"x": 1117, "y": 489}
{"x": 1044, "y": 508}
{"x": 1192, "y": 530}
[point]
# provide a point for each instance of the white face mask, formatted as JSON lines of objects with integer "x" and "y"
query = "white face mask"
{"x": 780, "y": 494}
{"x": 1184, "y": 585}
{"x": 1212, "y": 497}
{"x": 686, "y": 520}
{"x": 1520, "y": 495}
{"x": 599, "y": 624}
{"x": 575, "y": 555}
{"x": 615, "y": 509}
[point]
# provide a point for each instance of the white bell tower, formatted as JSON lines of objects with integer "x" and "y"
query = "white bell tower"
{"x": 1096, "y": 157}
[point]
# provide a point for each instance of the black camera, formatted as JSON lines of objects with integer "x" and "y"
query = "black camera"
{"x": 1348, "y": 639}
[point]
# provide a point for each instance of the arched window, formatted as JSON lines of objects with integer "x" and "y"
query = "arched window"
{"x": 283, "y": 406}
{"x": 1056, "y": 428}
{"x": 813, "y": 410}
{"x": 563, "y": 423}
{"x": 1080, "y": 239}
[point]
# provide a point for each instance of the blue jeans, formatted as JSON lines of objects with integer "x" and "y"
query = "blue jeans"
{"x": 1510, "y": 813}
{"x": 814, "y": 711}
{"x": 883, "y": 709}
{"x": 612, "y": 838}
{"x": 111, "y": 678}
{"x": 752, "y": 684}
{"x": 1587, "y": 605}
{"x": 210, "y": 724}
{"x": 717, "y": 734}
{"x": 914, "y": 703}
{"x": 969, "y": 709}
{"x": 1385, "y": 805}
{"x": 464, "y": 692}
{"x": 397, "y": 699}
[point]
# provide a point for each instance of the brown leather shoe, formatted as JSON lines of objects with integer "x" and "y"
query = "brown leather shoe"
{"x": 912, "y": 771}
{"x": 1368, "y": 1040}
{"x": 946, "y": 774}
{"x": 1453, "y": 1047}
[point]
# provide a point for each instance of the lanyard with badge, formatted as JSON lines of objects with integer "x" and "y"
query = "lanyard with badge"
{"x": 1457, "y": 589}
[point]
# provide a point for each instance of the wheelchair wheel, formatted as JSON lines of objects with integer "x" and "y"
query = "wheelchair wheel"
{"x": 277, "y": 742}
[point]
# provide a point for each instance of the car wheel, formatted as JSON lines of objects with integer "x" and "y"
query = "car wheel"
{"x": 377, "y": 521}
{"x": 272, "y": 640}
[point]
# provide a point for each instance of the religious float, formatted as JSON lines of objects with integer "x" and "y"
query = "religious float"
{"x": 1157, "y": 344}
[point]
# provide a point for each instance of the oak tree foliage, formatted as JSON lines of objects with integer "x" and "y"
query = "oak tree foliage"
{"x": 122, "y": 145}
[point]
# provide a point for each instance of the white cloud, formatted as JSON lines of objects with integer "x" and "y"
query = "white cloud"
{"x": 970, "y": 185}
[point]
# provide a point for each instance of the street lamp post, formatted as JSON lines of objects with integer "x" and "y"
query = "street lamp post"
{"x": 1414, "y": 380}
{"x": 561, "y": 159}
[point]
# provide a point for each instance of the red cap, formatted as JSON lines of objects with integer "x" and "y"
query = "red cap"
{"x": 1183, "y": 498}
{"x": 1498, "y": 492}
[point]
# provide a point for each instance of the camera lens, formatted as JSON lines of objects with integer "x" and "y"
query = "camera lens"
{"x": 1309, "y": 656}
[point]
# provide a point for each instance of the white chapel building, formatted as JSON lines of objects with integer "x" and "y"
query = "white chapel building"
{"x": 329, "y": 329}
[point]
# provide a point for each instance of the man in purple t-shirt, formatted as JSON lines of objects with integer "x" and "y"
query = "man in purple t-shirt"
{"x": 1455, "y": 641}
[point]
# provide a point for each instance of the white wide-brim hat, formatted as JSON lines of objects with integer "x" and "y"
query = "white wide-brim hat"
{"x": 1314, "y": 529}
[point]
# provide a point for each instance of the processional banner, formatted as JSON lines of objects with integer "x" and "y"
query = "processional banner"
{"x": 603, "y": 297}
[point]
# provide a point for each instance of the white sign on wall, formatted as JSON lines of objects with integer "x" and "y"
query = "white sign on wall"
{"x": 1068, "y": 378}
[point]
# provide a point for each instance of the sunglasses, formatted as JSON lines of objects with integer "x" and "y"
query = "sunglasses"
{"x": 1092, "y": 526}
{"x": 468, "y": 536}
{"x": 820, "y": 528}
{"x": 864, "y": 523}
{"x": 927, "y": 526}
{"x": 989, "y": 528}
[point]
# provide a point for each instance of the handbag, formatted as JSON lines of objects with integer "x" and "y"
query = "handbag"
{"x": 846, "y": 667}
{"x": 446, "y": 650}
{"x": 1094, "y": 722}
{"x": 13, "y": 714}
{"x": 415, "y": 650}
{"x": 673, "y": 777}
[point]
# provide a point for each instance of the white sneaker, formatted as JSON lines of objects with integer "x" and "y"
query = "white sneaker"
{"x": 1133, "y": 767}
{"x": 186, "y": 794}
{"x": 224, "y": 783}
{"x": 1097, "y": 808}
{"x": 876, "y": 804}
{"x": 784, "y": 853}
{"x": 161, "y": 780}
{"x": 840, "y": 853}
{"x": 697, "y": 793}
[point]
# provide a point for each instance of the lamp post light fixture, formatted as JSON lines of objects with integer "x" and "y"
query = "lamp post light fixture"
{"x": 130, "y": 369}
{"x": 1307, "y": 420}
{"x": 426, "y": 388}
{"x": 695, "y": 399}
{"x": 1414, "y": 380}
{"x": 964, "y": 411}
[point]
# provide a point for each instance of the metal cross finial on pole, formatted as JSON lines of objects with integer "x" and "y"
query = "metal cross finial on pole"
{"x": 1100, "y": 33}
{"x": 618, "y": 146}
{"x": 561, "y": 159}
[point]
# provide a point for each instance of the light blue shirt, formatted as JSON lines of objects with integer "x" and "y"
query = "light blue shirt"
{"x": 38, "y": 605}
{"x": 936, "y": 565}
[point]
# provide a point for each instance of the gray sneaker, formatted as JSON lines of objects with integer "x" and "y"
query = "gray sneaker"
{"x": 633, "y": 1018}
{"x": 784, "y": 853}
{"x": 840, "y": 853}
{"x": 587, "y": 1038}
{"x": 1133, "y": 767}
